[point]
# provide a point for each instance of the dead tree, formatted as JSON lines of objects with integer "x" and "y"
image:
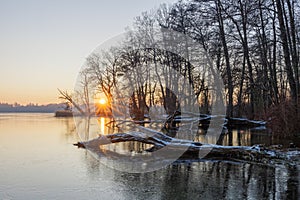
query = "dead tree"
{"x": 192, "y": 150}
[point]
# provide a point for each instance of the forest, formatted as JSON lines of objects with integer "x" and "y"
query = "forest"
{"x": 185, "y": 76}
{"x": 241, "y": 55}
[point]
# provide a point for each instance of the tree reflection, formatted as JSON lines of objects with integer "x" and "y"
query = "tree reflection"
{"x": 213, "y": 180}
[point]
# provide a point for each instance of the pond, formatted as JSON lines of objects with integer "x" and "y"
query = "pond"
{"x": 38, "y": 161}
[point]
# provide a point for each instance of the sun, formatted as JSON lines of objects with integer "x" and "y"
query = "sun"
{"x": 102, "y": 101}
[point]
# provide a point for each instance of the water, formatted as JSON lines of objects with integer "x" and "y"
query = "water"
{"x": 38, "y": 161}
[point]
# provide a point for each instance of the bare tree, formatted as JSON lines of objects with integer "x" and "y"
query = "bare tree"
{"x": 68, "y": 97}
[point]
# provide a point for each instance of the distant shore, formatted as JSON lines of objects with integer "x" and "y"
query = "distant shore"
{"x": 30, "y": 108}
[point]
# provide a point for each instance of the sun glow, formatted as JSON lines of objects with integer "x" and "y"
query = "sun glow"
{"x": 102, "y": 101}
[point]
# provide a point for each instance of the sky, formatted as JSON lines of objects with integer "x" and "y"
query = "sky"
{"x": 43, "y": 43}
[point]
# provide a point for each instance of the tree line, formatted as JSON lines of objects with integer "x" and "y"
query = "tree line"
{"x": 252, "y": 45}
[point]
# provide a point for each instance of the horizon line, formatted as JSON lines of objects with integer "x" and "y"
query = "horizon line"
{"x": 29, "y": 104}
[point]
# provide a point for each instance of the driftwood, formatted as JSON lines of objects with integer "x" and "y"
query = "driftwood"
{"x": 194, "y": 150}
{"x": 243, "y": 122}
{"x": 205, "y": 121}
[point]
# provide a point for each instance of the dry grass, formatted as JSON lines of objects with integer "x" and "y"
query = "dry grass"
{"x": 284, "y": 119}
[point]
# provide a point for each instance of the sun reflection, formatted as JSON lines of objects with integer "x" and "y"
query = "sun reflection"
{"x": 102, "y": 125}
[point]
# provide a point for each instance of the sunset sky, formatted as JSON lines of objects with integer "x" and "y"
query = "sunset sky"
{"x": 44, "y": 43}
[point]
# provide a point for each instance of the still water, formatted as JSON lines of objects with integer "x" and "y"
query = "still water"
{"x": 38, "y": 161}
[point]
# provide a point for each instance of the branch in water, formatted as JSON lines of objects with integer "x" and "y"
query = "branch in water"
{"x": 257, "y": 154}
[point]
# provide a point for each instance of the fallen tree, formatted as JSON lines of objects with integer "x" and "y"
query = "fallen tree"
{"x": 195, "y": 151}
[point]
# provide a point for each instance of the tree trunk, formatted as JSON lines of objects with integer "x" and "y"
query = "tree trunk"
{"x": 191, "y": 150}
{"x": 226, "y": 54}
{"x": 286, "y": 51}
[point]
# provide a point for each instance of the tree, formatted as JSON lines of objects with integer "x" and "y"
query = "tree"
{"x": 284, "y": 34}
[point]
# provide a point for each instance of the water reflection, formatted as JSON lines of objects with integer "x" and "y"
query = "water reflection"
{"x": 50, "y": 167}
{"x": 243, "y": 137}
{"x": 212, "y": 180}
{"x": 91, "y": 128}
{"x": 203, "y": 180}
{"x": 249, "y": 137}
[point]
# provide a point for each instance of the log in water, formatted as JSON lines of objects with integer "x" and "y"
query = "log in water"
{"x": 191, "y": 150}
